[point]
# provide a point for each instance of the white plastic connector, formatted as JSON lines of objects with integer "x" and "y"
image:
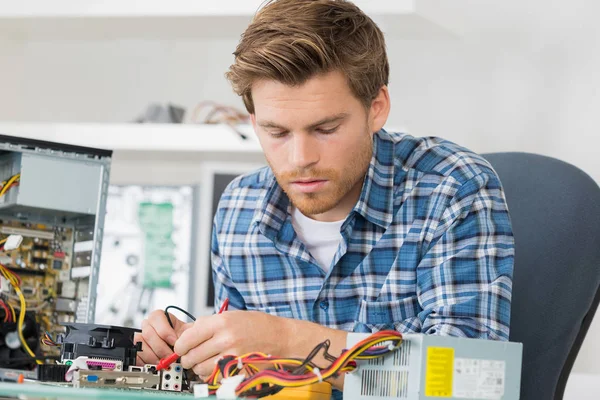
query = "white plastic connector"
{"x": 391, "y": 347}
{"x": 240, "y": 364}
{"x": 78, "y": 363}
{"x": 13, "y": 242}
{"x": 4, "y": 285}
{"x": 200, "y": 390}
{"x": 228, "y": 386}
{"x": 317, "y": 372}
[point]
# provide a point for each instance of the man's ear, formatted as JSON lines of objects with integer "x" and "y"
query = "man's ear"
{"x": 380, "y": 110}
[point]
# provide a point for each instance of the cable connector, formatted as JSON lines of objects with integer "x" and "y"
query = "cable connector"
{"x": 317, "y": 372}
{"x": 13, "y": 242}
{"x": 78, "y": 363}
{"x": 228, "y": 386}
{"x": 201, "y": 390}
{"x": 4, "y": 287}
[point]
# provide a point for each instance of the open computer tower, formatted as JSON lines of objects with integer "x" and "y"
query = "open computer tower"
{"x": 52, "y": 206}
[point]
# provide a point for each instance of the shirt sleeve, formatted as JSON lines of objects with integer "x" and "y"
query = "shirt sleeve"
{"x": 224, "y": 287}
{"x": 464, "y": 279}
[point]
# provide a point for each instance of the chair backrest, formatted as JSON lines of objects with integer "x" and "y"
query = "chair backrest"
{"x": 555, "y": 212}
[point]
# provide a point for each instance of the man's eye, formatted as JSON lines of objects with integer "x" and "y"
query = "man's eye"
{"x": 330, "y": 130}
{"x": 277, "y": 134}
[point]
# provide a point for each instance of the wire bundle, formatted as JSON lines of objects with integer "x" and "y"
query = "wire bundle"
{"x": 220, "y": 114}
{"x": 11, "y": 182}
{"x": 9, "y": 312}
{"x": 48, "y": 341}
{"x": 15, "y": 281}
{"x": 290, "y": 372}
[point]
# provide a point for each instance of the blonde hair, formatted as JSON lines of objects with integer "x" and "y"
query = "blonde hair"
{"x": 291, "y": 41}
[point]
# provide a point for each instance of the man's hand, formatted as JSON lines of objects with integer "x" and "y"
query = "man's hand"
{"x": 241, "y": 332}
{"x": 158, "y": 337}
{"x": 232, "y": 332}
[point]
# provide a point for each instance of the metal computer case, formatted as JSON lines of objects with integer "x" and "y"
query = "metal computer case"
{"x": 58, "y": 208}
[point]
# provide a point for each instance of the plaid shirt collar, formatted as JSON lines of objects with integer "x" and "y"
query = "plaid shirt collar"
{"x": 375, "y": 204}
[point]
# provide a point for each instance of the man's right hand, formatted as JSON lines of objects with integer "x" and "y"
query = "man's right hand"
{"x": 157, "y": 337}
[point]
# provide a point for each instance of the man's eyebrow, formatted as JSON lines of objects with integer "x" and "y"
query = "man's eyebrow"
{"x": 326, "y": 120}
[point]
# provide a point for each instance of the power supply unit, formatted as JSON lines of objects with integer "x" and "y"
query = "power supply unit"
{"x": 438, "y": 367}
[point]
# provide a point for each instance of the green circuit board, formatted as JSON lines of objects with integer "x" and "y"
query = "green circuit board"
{"x": 38, "y": 391}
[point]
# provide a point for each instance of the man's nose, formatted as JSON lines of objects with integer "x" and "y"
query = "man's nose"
{"x": 305, "y": 151}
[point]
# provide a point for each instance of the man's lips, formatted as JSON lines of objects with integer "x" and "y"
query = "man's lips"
{"x": 308, "y": 180}
{"x": 309, "y": 185}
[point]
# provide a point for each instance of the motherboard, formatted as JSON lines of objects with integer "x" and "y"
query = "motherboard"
{"x": 104, "y": 356}
{"x": 43, "y": 263}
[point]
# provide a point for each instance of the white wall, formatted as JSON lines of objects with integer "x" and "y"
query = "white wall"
{"x": 490, "y": 96}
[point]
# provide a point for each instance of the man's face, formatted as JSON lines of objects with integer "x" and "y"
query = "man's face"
{"x": 318, "y": 140}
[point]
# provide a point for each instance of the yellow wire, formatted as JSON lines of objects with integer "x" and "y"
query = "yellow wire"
{"x": 355, "y": 354}
{"x": 12, "y": 310}
{"x": 13, "y": 280}
{"x": 271, "y": 380}
{"x": 10, "y": 182}
{"x": 20, "y": 324}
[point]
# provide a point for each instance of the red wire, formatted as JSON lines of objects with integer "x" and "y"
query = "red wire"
{"x": 225, "y": 305}
{"x": 8, "y": 314}
{"x": 166, "y": 361}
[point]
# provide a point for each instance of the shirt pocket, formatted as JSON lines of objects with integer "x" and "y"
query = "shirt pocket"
{"x": 374, "y": 316}
{"x": 283, "y": 310}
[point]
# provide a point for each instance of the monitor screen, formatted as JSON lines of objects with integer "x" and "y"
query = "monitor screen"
{"x": 216, "y": 177}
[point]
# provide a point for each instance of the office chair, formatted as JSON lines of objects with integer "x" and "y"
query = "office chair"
{"x": 555, "y": 213}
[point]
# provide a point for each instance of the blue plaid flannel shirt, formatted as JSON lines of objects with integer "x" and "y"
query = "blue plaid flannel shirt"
{"x": 427, "y": 248}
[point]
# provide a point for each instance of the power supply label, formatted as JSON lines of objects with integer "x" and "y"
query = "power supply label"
{"x": 438, "y": 371}
{"x": 479, "y": 379}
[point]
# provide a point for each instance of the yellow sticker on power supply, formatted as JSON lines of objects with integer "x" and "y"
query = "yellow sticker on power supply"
{"x": 438, "y": 371}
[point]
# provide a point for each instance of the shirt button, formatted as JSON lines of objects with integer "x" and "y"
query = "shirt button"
{"x": 324, "y": 305}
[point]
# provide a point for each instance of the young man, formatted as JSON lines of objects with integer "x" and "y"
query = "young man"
{"x": 350, "y": 228}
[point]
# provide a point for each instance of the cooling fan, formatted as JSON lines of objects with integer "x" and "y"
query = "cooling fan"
{"x": 12, "y": 354}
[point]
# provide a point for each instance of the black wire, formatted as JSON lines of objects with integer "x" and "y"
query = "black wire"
{"x": 190, "y": 316}
{"x": 301, "y": 369}
{"x": 267, "y": 391}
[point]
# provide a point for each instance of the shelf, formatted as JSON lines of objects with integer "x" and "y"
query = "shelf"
{"x": 174, "y": 138}
{"x": 159, "y": 19}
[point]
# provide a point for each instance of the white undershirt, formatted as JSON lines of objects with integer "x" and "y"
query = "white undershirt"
{"x": 320, "y": 238}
